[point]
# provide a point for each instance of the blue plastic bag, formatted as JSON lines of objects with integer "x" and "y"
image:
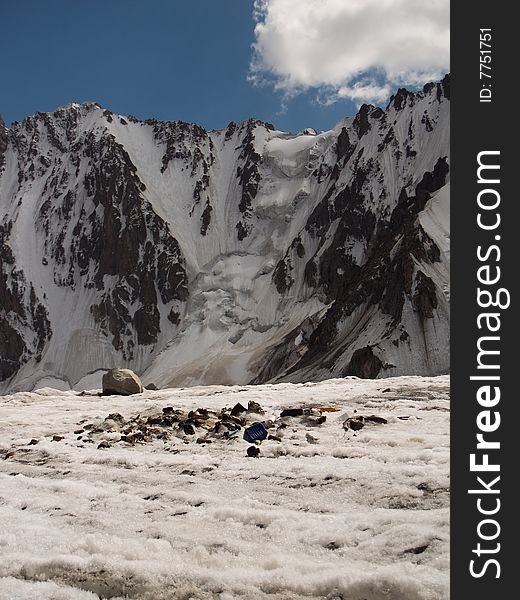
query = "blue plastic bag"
{"x": 255, "y": 432}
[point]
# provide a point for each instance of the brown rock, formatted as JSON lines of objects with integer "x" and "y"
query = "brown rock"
{"x": 122, "y": 382}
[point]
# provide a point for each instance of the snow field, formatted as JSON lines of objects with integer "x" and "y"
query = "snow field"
{"x": 356, "y": 515}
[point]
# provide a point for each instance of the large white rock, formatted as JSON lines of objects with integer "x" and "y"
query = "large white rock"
{"x": 122, "y": 382}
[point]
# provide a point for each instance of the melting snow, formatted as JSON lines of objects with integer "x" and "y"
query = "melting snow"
{"x": 325, "y": 513}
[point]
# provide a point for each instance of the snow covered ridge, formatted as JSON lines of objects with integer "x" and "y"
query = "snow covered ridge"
{"x": 322, "y": 513}
{"x": 222, "y": 257}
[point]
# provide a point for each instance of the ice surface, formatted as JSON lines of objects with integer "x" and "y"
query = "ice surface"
{"x": 359, "y": 515}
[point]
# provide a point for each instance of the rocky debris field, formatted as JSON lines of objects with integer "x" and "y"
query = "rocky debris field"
{"x": 204, "y": 426}
{"x": 331, "y": 490}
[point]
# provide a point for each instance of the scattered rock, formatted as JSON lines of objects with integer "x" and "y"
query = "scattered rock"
{"x": 354, "y": 423}
{"x": 253, "y": 451}
{"x": 122, "y": 382}
{"x": 205, "y": 426}
{"x": 152, "y": 387}
{"x": 376, "y": 420}
{"x": 57, "y": 438}
{"x": 358, "y": 422}
{"x": 238, "y": 409}
{"x": 33, "y": 442}
{"x": 332, "y": 546}
{"x": 117, "y": 417}
{"x": 188, "y": 429}
{"x": 255, "y": 407}
{"x": 314, "y": 419}
{"x": 416, "y": 549}
{"x": 292, "y": 412}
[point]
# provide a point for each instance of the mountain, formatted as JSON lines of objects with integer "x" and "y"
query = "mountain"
{"x": 243, "y": 255}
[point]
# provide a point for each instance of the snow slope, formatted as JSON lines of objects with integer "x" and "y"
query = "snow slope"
{"x": 198, "y": 257}
{"x": 360, "y": 515}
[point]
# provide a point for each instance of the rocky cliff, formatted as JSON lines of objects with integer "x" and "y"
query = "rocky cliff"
{"x": 233, "y": 256}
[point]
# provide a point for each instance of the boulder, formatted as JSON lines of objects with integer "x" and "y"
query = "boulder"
{"x": 122, "y": 382}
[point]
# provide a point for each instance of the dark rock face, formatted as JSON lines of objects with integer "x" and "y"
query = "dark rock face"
{"x": 248, "y": 177}
{"x": 364, "y": 364}
{"x": 11, "y": 349}
{"x": 443, "y": 88}
{"x": 425, "y": 297}
{"x": 3, "y": 142}
{"x": 97, "y": 232}
{"x": 206, "y": 218}
{"x": 387, "y": 275}
{"x": 344, "y": 147}
{"x": 121, "y": 238}
{"x": 384, "y": 274}
{"x": 399, "y": 100}
{"x": 362, "y": 122}
{"x": 20, "y": 308}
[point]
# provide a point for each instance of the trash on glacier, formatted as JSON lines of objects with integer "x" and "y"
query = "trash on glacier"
{"x": 292, "y": 412}
{"x": 376, "y": 420}
{"x": 203, "y": 425}
{"x": 255, "y": 432}
{"x": 311, "y": 416}
{"x": 354, "y": 423}
{"x": 253, "y": 451}
{"x": 253, "y": 406}
{"x": 358, "y": 422}
{"x": 232, "y": 433}
{"x": 238, "y": 409}
{"x": 314, "y": 418}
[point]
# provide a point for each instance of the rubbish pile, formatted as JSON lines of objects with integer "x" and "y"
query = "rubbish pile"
{"x": 205, "y": 426}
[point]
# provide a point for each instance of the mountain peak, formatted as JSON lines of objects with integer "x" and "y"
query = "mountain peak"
{"x": 402, "y": 96}
{"x": 231, "y": 256}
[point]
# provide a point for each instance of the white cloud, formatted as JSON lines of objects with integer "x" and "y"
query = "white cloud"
{"x": 356, "y": 49}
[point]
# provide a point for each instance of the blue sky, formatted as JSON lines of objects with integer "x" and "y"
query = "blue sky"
{"x": 169, "y": 59}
